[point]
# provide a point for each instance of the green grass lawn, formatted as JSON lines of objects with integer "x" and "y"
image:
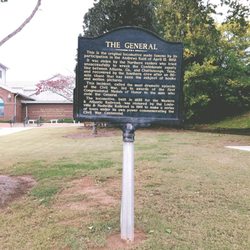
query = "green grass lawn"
{"x": 191, "y": 191}
{"x": 239, "y": 124}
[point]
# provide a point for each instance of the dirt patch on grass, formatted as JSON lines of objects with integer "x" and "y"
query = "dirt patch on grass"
{"x": 115, "y": 242}
{"x": 12, "y": 188}
{"x": 85, "y": 194}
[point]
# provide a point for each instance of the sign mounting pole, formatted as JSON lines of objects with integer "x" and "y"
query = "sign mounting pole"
{"x": 127, "y": 204}
{"x": 132, "y": 78}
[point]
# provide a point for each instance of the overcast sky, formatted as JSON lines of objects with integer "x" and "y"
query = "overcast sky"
{"x": 47, "y": 45}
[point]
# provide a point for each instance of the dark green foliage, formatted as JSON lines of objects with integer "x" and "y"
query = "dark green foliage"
{"x": 216, "y": 56}
{"x": 216, "y": 80}
{"x": 109, "y": 14}
{"x": 66, "y": 120}
{"x": 189, "y": 22}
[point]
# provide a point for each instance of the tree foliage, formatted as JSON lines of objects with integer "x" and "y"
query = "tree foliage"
{"x": 109, "y": 14}
{"x": 59, "y": 84}
{"x": 216, "y": 80}
{"x": 216, "y": 56}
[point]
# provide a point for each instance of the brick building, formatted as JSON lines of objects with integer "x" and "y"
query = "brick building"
{"x": 11, "y": 104}
{"x": 47, "y": 111}
{"x": 19, "y": 103}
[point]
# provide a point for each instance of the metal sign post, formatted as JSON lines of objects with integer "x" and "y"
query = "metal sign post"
{"x": 131, "y": 78}
{"x": 127, "y": 204}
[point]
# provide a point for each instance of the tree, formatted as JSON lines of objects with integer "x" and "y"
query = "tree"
{"x": 26, "y": 21}
{"x": 215, "y": 58}
{"x": 109, "y": 14}
{"x": 234, "y": 64}
{"x": 190, "y": 22}
{"x": 59, "y": 84}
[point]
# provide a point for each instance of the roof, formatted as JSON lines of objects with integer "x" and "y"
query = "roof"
{"x": 49, "y": 96}
{"x": 44, "y": 96}
{"x": 46, "y": 102}
{"x": 3, "y": 66}
{"x": 17, "y": 93}
{"x": 29, "y": 93}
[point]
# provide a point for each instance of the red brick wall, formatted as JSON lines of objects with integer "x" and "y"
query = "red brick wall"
{"x": 48, "y": 111}
{"x": 18, "y": 110}
{"x": 9, "y": 106}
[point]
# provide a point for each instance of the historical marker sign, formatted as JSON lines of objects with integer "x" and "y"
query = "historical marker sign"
{"x": 133, "y": 78}
{"x": 129, "y": 75}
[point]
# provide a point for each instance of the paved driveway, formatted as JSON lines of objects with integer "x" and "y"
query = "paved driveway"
{"x": 5, "y": 128}
{"x": 245, "y": 148}
{"x": 8, "y": 131}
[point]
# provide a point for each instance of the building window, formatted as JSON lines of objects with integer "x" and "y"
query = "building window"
{"x": 1, "y": 74}
{"x": 1, "y": 107}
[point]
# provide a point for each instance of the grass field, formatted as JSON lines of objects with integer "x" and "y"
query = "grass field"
{"x": 239, "y": 124}
{"x": 191, "y": 191}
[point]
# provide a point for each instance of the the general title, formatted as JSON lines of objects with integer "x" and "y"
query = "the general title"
{"x": 129, "y": 45}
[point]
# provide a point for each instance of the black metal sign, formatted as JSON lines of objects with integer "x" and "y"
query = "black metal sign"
{"x": 129, "y": 75}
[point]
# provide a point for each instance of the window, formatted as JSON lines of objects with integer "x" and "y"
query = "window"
{"x": 1, "y": 74}
{"x": 1, "y": 107}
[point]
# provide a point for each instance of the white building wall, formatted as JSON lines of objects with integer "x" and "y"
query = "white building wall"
{"x": 2, "y": 75}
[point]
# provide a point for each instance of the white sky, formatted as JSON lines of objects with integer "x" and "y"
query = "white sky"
{"x": 48, "y": 44}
